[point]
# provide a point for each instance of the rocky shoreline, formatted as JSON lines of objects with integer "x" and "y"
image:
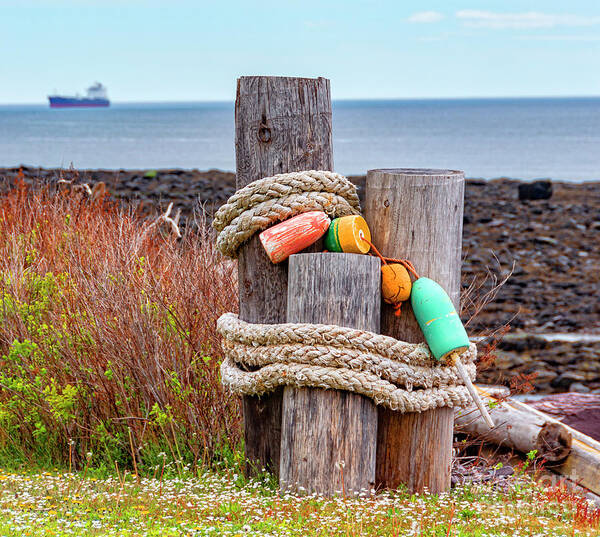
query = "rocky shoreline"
{"x": 553, "y": 245}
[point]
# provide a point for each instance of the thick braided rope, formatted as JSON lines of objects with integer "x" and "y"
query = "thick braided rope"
{"x": 330, "y": 356}
{"x": 273, "y": 199}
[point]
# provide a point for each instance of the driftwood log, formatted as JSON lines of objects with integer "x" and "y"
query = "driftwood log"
{"x": 523, "y": 428}
{"x": 518, "y": 429}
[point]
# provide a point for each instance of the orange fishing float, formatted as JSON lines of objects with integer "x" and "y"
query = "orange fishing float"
{"x": 395, "y": 283}
{"x": 293, "y": 235}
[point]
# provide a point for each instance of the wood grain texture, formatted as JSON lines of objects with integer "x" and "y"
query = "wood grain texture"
{"x": 281, "y": 125}
{"x": 414, "y": 449}
{"x": 322, "y": 428}
{"x": 416, "y": 214}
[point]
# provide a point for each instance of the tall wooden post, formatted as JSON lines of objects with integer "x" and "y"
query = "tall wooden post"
{"x": 328, "y": 437}
{"x": 281, "y": 125}
{"x": 416, "y": 214}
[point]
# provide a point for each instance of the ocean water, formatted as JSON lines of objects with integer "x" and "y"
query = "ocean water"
{"x": 521, "y": 138}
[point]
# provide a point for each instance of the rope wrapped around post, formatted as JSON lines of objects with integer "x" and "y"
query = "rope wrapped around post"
{"x": 259, "y": 358}
{"x": 401, "y": 376}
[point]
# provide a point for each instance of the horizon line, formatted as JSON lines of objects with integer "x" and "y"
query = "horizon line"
{"x": 342, "y": 99}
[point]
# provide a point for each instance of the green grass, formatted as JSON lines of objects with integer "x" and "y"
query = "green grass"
{"x": 226, "y": 504}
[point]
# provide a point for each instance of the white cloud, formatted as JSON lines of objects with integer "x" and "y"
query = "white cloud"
{"x": 426, "y": 17}
{"x": 531, "y": 19}
{"x": 560, "y": 37}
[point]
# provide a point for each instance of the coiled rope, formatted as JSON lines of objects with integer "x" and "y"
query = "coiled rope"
{"x": 401, "y": 376}
{"x": 273, "y": 199}
{"x": 261, "y": 357}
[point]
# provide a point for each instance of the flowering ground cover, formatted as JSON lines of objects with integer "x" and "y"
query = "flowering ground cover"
{"x": 224, "y": 504}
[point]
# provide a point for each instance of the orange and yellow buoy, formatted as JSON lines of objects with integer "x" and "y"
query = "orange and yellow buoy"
{"x": 396, "y": 284}
{"x": 347, "y": 234}
{"x": 293, "y": 235}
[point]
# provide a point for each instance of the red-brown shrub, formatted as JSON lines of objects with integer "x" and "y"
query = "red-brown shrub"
{"x": 108, "y": 326}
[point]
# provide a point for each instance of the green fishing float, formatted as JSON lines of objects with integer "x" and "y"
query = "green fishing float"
{"x": 443, "y": 331}
{"x": 438, "y": 319}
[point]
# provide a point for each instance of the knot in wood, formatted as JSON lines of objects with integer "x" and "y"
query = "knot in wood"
{"x": 264, "y": 133}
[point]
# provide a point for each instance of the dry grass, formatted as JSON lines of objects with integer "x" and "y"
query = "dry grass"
{"x": 108, "y": 329}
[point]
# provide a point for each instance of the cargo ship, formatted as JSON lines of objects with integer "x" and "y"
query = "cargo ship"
{"x": 95, "y": 97}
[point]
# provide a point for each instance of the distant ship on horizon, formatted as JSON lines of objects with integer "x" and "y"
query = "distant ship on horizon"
{"x": 95, "y": 97}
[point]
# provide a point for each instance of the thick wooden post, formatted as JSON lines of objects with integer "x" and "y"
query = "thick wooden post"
{"x": 417, "y": 215}
{"x": 330, "y": 434}
{"x": 281, "y": 125}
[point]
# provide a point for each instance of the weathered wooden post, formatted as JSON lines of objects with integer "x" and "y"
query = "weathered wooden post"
{"x": 416, "y": 214}
{"x": 328, "y": 435}
{"x": 282, "y": 125}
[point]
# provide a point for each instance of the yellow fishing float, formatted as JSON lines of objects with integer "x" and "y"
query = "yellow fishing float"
{"x": 347, "y": 234}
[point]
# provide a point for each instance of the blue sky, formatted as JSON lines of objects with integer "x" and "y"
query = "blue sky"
{"x": 195, "y": 50}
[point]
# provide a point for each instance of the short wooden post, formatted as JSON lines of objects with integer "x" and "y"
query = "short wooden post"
{"x": 328, "y": 435}
{"x": 282, "y": 124}
{"x": 417, "y": 215}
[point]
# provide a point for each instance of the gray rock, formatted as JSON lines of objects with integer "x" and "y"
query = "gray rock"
{"x": 566, "y": 379}
{"x": 504, "y": 471}
{"x": 545, "y": 240}
{"x": 578, "y": 387}
{"x": 544, "y": 376}
{"x": 508, "y": 360}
